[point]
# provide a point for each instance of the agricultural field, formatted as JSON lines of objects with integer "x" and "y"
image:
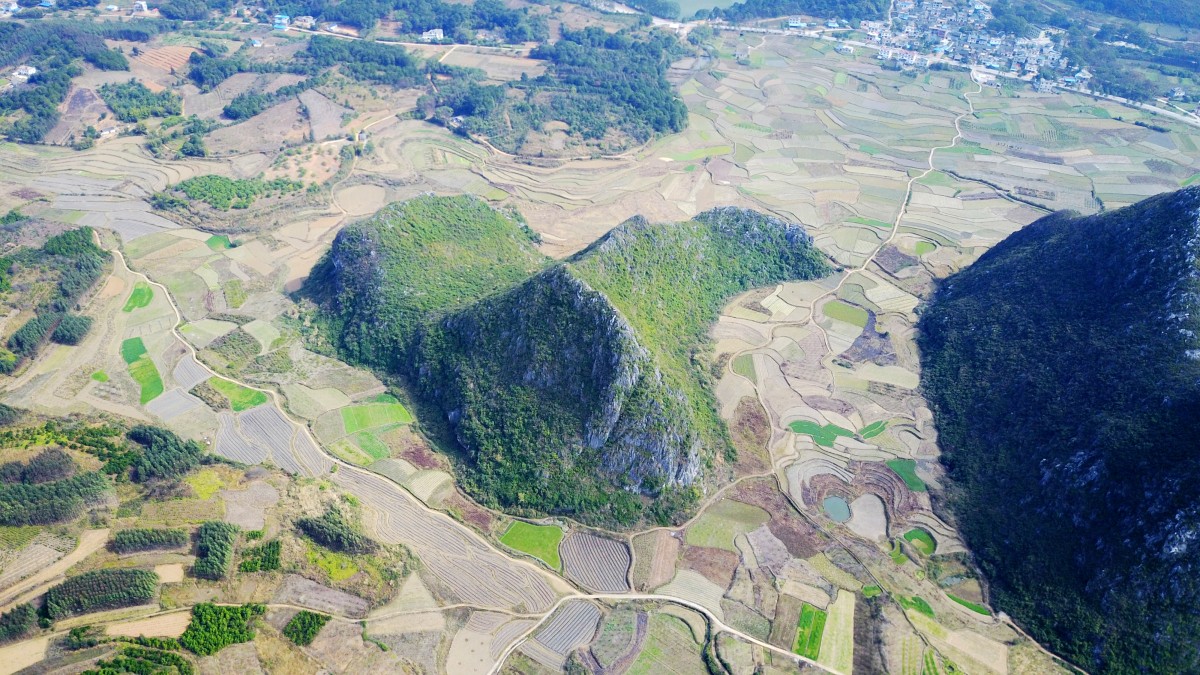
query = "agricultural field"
{"x": 539, "y": 541}
{"x": 866, "y": 160}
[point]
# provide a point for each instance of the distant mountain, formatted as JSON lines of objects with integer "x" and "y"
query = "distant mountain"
{"x": 1063, "y": 369}
{"x": 580, "y": 389}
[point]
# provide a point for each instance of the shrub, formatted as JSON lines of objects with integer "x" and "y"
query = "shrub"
{"x": 17, "y": 622}
{"x": 303, "y": 627}
{"x": 334, "y": 532}
{"x": 263, "y": 558}
{"x": 214, "y": 627}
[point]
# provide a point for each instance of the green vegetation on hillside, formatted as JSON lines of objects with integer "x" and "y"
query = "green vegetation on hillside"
{"x": 224, "y": 193}
{"x": 141, "y": 660}
{"x": 539, "y": 541}
{"x": 47, "y": 490}
{"x": 335, "y": 532}
{"x": 1061, "y": 369}
{"x": 847, "y": 10}
{"x": 598, "y": 358}
{"x": 304, "y": 626}
{"x": 164, "y": 455}
{"x": 595, "y": 82}
{"x": 261, "y": 558}
{"x": 132, "y": 102}
{"x": 100, "y": 589}
{"x": 907, "y": 470}
{"x": 17, "y": 622}
{"x": 53, "y": 278}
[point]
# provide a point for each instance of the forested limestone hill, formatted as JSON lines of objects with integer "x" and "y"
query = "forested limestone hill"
{"x": 1063, "y": 369}
{"x": 581, "y": 389}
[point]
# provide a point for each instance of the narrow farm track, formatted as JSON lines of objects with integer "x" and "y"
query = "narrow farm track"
{"x": 483, "y": 576}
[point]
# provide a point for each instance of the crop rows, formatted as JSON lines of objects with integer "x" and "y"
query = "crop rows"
{"x": 264, "y": 426}
{"x": 232, "y": 445}
{"x": 188, "y": 373}
{"x": 172, "y": 404}
{"x": 596, "y": 563}
{"x": 572, "y": 625}
{"x": 471, "y": 570}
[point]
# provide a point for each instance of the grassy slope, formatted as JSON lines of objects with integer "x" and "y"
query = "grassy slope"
{"x": 414, "y": 260}
{"x": 1056, "y": 370}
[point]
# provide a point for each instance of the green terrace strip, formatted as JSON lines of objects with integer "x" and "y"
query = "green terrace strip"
{"x": 823, "y": 436}
{"x": 873, "y": 429}
{"x": 897, "y": 553}
{"x": 744, "y": 365}
{"x": 130, "y": 541}
{"x": 921, "y": 540}
{"x": 219, "y": 242}
{"x": 841, "y": 311}
{"x": 973, "y": 606}
{"x": 871, "y": 591}
{"x": 809, "y": 630}
{"x": 907, "y": 470}
{"x": 140, "y": 297}
{"x": 142, "y": 369}
{"x": 869, "y": 222}
{"x": 240, "y": 398}
{"x": 304, "y": 626}
{"x": 916, "y": 603}
{"x": 923, "y": 247}
{"x": 224, "y": 193}
{"x": 539, "y": 541}
{"x": 359, "y": 417}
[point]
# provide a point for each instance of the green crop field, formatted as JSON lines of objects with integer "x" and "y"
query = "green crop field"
{"x": 808, "y": 631}
{"x": 140, "y": 297}
{"x": 100, "y": 376}
{"x": 370, "y": 444}
{"x": 871, "y": 591}
{"x": 873, "y": 429}
{"x": 924, "y": 247}
{"x": 897, "y": 553}
{"x": 855, "y": 316}
{"x": 921, "y": 540}
{"x": 701, "y": 153}
{"x": 240, "y": 398}
{"x": 539, "y": 541}
{"x": 823, "y": 436}
{"x": 722, "y": 522}
{"x": 219, "y": 242}
{"x": 142, "y": 369}
{"x": 369, "y": 416}
{"x": 870, "y": 222}
{"x": 915, "y": 602}
{"x": 744, "y": 366}
{"x": 907, "y": 470}
{"x": 974, "y": 607}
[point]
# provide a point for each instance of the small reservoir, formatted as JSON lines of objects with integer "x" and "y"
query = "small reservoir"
{"x": 836, "y": 508}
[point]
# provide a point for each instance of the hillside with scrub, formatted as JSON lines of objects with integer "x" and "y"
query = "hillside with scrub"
{"x": 580, "y": 389}
{"x": 1063, "y": 369}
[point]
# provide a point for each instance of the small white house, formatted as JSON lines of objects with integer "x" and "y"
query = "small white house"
{"x": 844, "y": 49}
{"x": 111, "y": 8}
{"x": 23, "y": 73}
{"x": 434, "y": 35}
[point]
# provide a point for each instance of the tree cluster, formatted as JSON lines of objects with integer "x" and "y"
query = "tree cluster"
{"x": 132, "y": 540}
{"x": 52, "y": 502}
{"x": 261, "y": 558}
{"x": 48, "y": 465}
{"x": 304, "y": 626}
{"x": 100, "y": 589}
{"x": 17, "y": 622}
{"x": 215, "y": 627}
{"x": 132, "y": 102}
{"x": 214, "y": 550}
{"x": 335, "y": 532}
{"x": 164, "y": 455}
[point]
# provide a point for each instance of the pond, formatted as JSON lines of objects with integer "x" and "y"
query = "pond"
{"x": 837, "y": 509}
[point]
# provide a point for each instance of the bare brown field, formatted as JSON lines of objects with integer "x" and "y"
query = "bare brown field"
{"x": 166, "y": 58}
{"x": 265, "y": 132}
{"x": 499, "y": 66}
{"x": 655, "y": 561}
{"x": 166, "y": 625}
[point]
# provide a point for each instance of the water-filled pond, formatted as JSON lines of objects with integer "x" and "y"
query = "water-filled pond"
{"x": 836, "y": 508}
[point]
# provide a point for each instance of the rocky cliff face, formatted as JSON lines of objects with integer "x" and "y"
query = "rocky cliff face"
{"x": 1063, "y": 369}
{"x": 556, "y": 339}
